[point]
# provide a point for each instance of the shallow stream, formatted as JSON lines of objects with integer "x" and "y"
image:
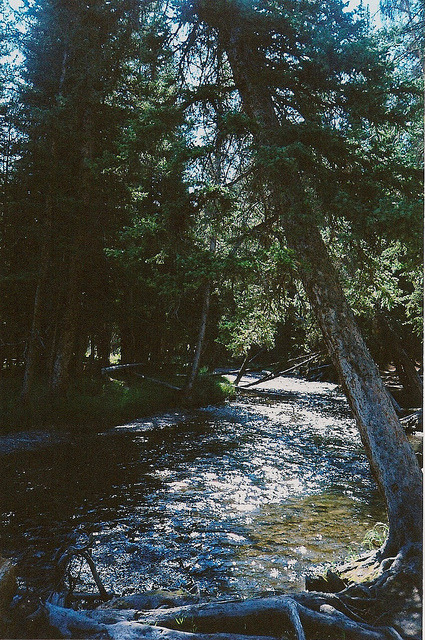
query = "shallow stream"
{"x": 237, "y": 499}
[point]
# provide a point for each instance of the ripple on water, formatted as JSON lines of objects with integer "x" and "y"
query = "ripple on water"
{"x": 241, "y": 498}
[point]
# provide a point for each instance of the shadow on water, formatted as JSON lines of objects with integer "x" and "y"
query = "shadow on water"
{"x": 241, "y": 498}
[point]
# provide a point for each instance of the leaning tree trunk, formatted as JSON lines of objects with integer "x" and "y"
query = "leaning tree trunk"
{"x": 196, "y": 362}
{"x": 392, "y": 460}
{"x": 242, "y": 368}
{"x": 391, "y": 457}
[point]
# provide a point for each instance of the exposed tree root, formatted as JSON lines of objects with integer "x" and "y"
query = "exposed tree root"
{"x": 302, "y": 613}
{"x": 387, "y": 608}
{"x": 280, "y": 616}
{"x": 77, "y": 624}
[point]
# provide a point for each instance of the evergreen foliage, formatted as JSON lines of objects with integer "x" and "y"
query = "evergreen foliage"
{"x": 131, "y": 184}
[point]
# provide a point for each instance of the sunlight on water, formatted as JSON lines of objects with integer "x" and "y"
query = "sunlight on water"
{"x": 238, "y": 499}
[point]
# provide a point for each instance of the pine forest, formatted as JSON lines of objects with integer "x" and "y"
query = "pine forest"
{"x": 211, "y": 316}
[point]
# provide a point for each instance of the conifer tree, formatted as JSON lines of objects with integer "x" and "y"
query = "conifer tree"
{"x": 74, "y": 57}
{"x": 302, "y": 88}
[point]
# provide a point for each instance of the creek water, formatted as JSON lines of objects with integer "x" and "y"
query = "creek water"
{"x": 241, "y": 499}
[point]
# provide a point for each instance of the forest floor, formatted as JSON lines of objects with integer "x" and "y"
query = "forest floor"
{"x": 96, "y": 403}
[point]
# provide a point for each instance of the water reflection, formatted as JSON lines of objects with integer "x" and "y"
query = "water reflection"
{"x": 240, "y": 498}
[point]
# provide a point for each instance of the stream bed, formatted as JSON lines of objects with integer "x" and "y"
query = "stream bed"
{"x": 239, "y": 499}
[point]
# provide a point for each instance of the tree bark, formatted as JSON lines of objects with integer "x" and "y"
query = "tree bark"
{"x": 67, "y": 340}
{"x": 36, "y": 348}
{"x": 406, "y": 369}
{"x": 392, "y": 460}
{"x": 200, "y": 341}
{"x": 390, "y": 455}
{"x": 81, "y": 237}
{"x": 201, "y": 333}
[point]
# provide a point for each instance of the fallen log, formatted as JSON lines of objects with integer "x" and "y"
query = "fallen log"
{"x": 413, "y": 421}
{"x": 8, "y": 588}
{"x": 276, "y": 374}
{"x": 161, "y": 382}
{"x": 8, "y": 585}
{"x": 120, "y": 367}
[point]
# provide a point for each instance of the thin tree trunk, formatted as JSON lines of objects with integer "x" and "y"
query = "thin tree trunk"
{"x": 104, "y": 338}
{"x": 392, "y": 460}
{"x": 54, "y": 334}
{"x": 78, "y": 359}
{"x": 126, "y": 329}
{"x": 242, "y": 368}
{"x": 201, "y": 335}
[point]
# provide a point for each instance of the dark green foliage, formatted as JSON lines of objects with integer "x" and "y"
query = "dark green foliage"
{"x": 130, "y": 183}
{"x": 98, "y": 404}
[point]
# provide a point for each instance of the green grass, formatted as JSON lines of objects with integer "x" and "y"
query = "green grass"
{"x": 375, "y": 537}
{"x": 100, "y": 403}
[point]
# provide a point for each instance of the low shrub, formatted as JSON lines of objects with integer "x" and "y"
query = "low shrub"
{"x": 100, "y": 402}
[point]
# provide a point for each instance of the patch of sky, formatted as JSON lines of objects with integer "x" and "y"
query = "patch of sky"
{"x": 16, "y": 4}
{"x": 372, "y": 5}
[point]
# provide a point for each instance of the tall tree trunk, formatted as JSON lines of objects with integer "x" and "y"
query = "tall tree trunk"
{"x": 201, "y": 333}
{"x": 406, "y": 369}
{"x": 104, "y": 338}
{"x": 67, "y": 340}
{"x": 36, "y": 346}
{"x": 391, "y": 458}
{"x": 72, "y": 312}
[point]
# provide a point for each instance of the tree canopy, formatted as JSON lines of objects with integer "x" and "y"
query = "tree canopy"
{"x": 184, "y": 182}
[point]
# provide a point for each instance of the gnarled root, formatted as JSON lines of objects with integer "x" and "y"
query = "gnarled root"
{"x": 385, "y": 609}
{"x": 240, "y": 622}
{"x": 118, "y": 625}
{"x": 279, "y": 616}
{"x": 302, "y": 613}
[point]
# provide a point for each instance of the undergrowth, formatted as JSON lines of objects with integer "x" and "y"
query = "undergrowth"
{"x": 100, "y": 402}
{"x": 375, "y": 537}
